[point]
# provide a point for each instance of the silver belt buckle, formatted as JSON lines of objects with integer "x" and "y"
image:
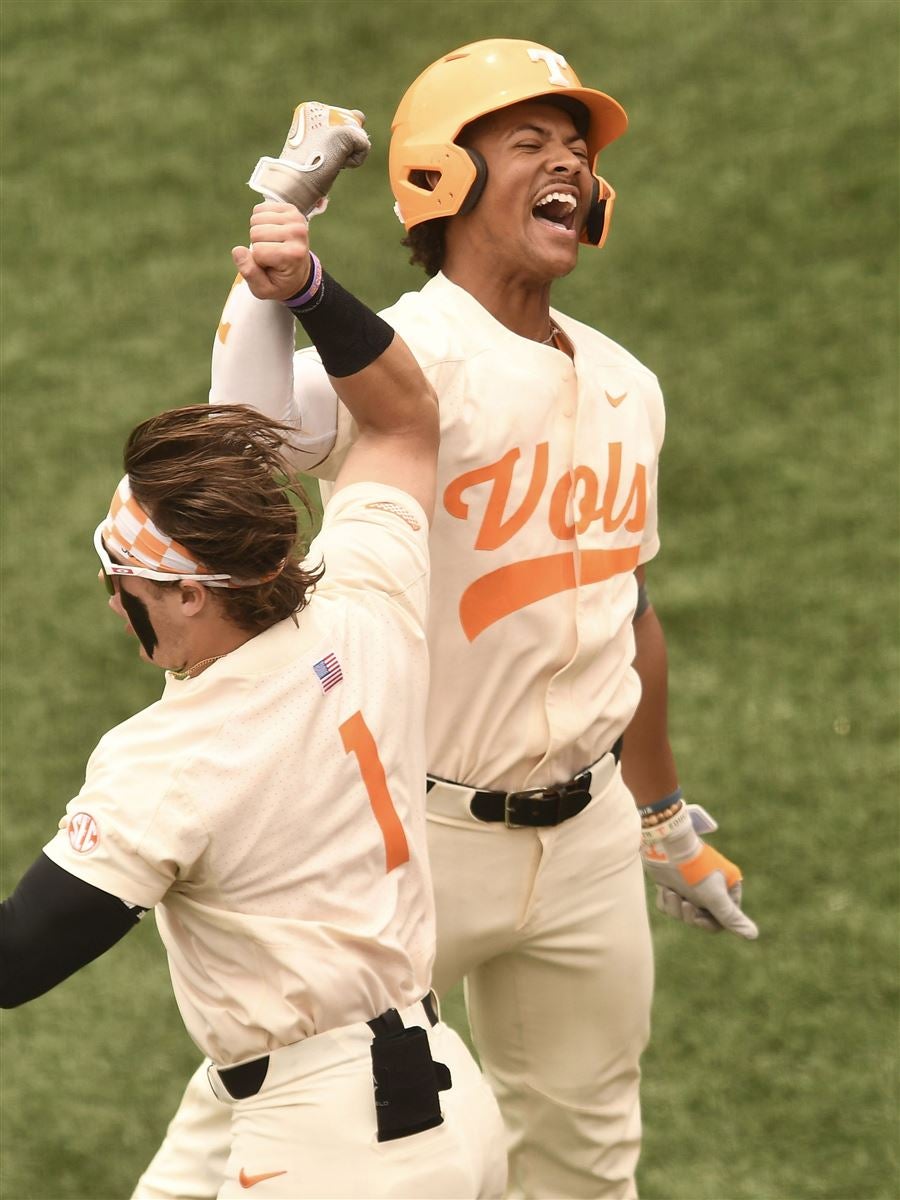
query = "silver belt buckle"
{"x": 507, "y": 821}
{"x": 530, "y": 794}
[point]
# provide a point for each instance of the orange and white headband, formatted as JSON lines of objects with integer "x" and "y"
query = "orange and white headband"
{"x": 131, "y": 534}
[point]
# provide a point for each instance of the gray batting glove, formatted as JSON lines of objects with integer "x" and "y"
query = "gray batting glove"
{"x": 322, "y": 141}
{"x": 694, "y": 883}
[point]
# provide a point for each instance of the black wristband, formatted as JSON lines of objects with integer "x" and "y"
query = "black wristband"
{"x": 346, "y": 333}
{"x": 643, "y": 602}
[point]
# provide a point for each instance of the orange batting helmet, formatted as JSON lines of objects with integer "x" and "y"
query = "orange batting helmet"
{"x": 466, "y": 84}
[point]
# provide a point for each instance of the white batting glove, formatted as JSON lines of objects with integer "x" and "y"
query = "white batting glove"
{"x": 322, "y": 141}
{"x": 694, "y": 882}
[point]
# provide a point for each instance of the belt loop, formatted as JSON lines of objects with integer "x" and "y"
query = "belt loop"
{"x": 242, "y": 1081}
{"x": 219, "y": 1090}
{"x": 432, "y": 1007}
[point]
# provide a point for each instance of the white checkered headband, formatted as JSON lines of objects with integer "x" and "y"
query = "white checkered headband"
{"x": 134, "y": 537}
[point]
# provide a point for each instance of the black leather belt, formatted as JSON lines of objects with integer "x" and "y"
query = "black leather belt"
{"x": 535, "y": 807}
{"x": 247, "y": 1078}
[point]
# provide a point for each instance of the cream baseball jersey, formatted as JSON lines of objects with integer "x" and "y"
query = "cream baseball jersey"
{"x": 546, "y": 505}
{"x": 271, "y": 808}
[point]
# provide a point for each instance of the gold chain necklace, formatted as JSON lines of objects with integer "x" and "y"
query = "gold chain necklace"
{"x": 190, "y": 672}
{"x": 554, "y": 330}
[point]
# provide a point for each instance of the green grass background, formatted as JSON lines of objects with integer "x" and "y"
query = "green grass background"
{"x": 752, "y": 264}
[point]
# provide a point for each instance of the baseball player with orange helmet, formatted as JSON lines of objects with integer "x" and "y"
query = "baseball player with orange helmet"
{"x": 550, "y": 775}
{"x": 269, "y": 806}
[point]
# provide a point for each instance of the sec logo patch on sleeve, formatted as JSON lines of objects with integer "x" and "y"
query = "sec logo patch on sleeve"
{"x": 84, "y": 833}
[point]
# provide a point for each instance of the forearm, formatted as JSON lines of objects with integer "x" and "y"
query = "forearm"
{"x": 648, "y": 765}
{"x": 380, "y": 384}
{"x": 390, "y": 396}
{"x": 253, "y": 362}
{"x": 371, "y": 369}
{"x": 252, "y": 359}
{"x": 695, "y": 883}
{"x": 370, "y": 366}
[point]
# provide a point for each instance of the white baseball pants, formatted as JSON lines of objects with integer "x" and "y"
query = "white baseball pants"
{"x": 309, "y": 1132}
{"x": 549, "y": 928}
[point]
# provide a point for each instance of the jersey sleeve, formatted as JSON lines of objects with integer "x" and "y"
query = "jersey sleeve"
{"x": 253, "y": 362}
{"x": 374, "y": 539}
{"x": 128, "y": 832}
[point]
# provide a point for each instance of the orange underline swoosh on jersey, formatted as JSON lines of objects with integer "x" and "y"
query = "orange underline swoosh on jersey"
{"x": 249, "y": 1181}
{"x": 615, "y": 401}
{"x": 223, "y": 331}
{"x": 517, "y": 585}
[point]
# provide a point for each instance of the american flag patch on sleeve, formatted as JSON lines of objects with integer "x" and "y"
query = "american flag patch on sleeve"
{"x": 328, "y": 672}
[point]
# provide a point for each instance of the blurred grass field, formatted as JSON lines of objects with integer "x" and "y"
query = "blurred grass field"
{"x": 752, "y": 264}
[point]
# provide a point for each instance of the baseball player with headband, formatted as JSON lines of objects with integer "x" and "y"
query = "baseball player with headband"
{"x": 269, "y": 806}
{"x": 550, "y": 774}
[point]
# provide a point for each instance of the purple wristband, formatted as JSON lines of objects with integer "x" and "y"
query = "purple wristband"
{"x": 313, "y": 283}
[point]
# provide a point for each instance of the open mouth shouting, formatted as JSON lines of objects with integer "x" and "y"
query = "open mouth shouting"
{"x": 556, "y": 211}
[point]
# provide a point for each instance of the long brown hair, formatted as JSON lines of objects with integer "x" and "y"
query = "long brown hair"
{"x": 215, "y": 478}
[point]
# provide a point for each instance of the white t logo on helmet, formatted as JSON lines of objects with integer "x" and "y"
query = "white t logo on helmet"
{"x": 552, "y": 61}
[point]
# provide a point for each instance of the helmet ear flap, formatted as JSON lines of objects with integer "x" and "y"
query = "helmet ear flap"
{"x": 474, "y": 193}
{"x": 600, "y": 212}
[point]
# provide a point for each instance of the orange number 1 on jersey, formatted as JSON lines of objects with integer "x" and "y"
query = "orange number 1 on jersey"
{"x": 358, "y": 740}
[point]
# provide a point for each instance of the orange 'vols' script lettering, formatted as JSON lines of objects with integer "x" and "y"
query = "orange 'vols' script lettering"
{"x": 494, "y": 530}
{"x": 358, "y": 740}
{"x": 511, "y": 587}
{"x": 584, "y": 488}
